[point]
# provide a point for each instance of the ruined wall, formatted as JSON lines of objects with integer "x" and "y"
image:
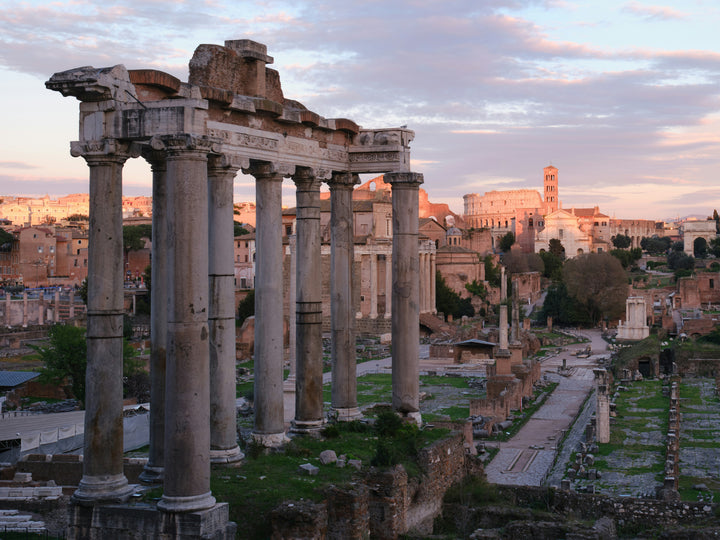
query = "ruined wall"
{"x": 642, "y": 512}
{"x": 386, "y": 503}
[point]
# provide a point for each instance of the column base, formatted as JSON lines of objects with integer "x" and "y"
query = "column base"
{"x": 289, "y": 384}
{"x": 192, "y": 503}
{"x": 102, "y": 489}
{"x": 145, "y": 521}
{"x": 228, "y": 455}
{"x": 388, "y": 315}
{"x": 271, "y": 440}
{"x": 347, "y": 414}
{"x": 306, "y": 426}
{"x": 152, "y": 475}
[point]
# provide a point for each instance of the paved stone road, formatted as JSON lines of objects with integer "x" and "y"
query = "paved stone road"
{"x": 517, "y": 463}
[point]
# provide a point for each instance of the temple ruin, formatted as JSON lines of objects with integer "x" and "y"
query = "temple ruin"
{"x": 230, "y": 116}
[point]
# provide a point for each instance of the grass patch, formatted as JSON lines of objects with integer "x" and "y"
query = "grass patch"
{"x": 455, "y": 412}
{"x": 642, "y": 408}
{"x": 262, "y": 482}
{"x": 690, "y": 395}
{"x": 434, "y": 380}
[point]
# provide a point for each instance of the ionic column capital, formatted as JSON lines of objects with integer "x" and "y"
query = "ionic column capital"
{"x": 104, "y": 151}
{"x": 268, "y": 170}
{"x": 404, "y": 179}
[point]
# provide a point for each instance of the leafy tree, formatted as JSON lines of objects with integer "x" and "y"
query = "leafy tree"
{"x": 599, "y": 282}
{"x": 552, "y": 265}
{"x": 627, "y": 257}
{"x": 246, "y": 307}
{"x": 449, "y": 302}
{"x": 715, "y": 246}
{"x": 556, "y": 248}
{"x": 681, "y": 273}
{"x": 656, "y": 245}
{"x": 700, "y": 248}
{"x": 492, "y": 272}
{"x": 679, "y": 260}
{"x": 476, "y": 289}
{"x": 134, "y": 235}
{"x": 65, "y": 356}
{"x": 6, "y": 240}
{"x": 678, "y": 246}
{"x": 563, "y": 308}
{"x": 83, "y": 291}
{"x": 238, "y": 229}
{"x": 78, "y": 217}
{"x": 518, "y": 263}
{"x": 716, "y": 217}
{"x": 621, "y": 241}
{"x": 506, "y": 242}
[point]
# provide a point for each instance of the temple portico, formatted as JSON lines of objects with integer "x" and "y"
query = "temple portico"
{"x": 230, "y": 116}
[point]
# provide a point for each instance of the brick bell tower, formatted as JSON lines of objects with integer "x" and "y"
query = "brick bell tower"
{"x": 550, "y": 185}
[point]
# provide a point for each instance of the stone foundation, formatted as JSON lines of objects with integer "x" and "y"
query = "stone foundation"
{"x": 141, "y": 522}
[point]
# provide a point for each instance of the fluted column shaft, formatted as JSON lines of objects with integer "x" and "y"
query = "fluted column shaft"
{"x": 187, "y": 399}
{"x": 103, "y": 479}
{"x": 269, "y": 426}
{"x": 308, "y": 310}
{"x": 344, "y": 376}
{"x": 154, "y": 469}
{"x": 406, "y": 313}
{"x": 221, "y": 319}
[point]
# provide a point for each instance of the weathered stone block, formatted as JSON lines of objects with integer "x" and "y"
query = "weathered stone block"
{"x": 328, "y": 456}
{"x": 308, "y": 469}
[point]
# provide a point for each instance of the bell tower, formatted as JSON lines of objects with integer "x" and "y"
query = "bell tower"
{"x": 550, "y": 185}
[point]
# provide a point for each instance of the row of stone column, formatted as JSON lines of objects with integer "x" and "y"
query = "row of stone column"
{"x": 193, "y": 345}
{"x": 427, "y": 282}
{"x": 41, "y": 308}
{"x": 373, "y": 295}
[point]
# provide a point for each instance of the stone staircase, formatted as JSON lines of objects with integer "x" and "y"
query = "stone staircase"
{"x": 14, "y": 521}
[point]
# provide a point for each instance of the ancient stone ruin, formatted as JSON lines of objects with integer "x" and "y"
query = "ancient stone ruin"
{"x": 231, "y": 115}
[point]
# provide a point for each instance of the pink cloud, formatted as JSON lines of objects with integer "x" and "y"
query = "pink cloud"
{"x": 654, "y": 12}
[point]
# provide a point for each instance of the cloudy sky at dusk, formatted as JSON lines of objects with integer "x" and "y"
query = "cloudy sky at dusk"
{"x": 623, "y": 97}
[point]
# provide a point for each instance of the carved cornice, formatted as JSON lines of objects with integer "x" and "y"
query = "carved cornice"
{"x": 91, "y": 84}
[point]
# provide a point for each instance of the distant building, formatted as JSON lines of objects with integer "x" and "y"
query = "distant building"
{"x": 519, "y": 211}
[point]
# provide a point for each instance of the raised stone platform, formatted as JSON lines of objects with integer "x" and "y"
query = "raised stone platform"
{"x": 134, "y": 521}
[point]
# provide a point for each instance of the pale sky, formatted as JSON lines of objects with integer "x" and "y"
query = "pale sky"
{"x": 623, "y": 97}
